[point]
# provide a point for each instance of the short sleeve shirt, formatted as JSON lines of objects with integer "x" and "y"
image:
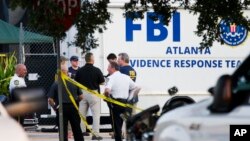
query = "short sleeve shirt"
{"x": 128, "y": 70}
{"x": 120, "y": 84}
{"x": 90, "y": 76}
{"x": 16, "y": 82}
{"x": 73, "y": 72}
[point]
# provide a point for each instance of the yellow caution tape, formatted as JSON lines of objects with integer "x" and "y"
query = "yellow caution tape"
{"x": 65, "y": 77}
{"x": 77, "y": 108}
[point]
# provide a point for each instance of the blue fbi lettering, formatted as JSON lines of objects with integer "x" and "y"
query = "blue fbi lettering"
{"x": 153, "y": 26}
{"x": 130, "y": 27}
{"x": 176, "y": 27}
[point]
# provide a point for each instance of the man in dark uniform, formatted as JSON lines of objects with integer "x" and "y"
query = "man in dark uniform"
{"x": 74, "y": 66}
{"x": 70, "y": 114}
{"x": 125, "y": 68}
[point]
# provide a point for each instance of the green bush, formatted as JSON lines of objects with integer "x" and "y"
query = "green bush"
{"x": 7, "y": 70}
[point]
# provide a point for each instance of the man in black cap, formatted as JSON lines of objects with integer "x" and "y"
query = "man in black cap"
{"x": 74, "y": 66}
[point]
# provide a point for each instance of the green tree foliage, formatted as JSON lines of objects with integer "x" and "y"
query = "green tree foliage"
{"x": 45, "y": 14}
{"x": 94, "y": 16}
{"x": 7, "y": 70}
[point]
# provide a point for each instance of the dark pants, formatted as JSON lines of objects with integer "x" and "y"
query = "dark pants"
{"x": 118, "y": 121}
{"x": 110, "y": 114}
{"x": 71, "y": 114}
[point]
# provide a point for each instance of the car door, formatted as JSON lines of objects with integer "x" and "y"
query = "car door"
{"x": 216, "y": 127}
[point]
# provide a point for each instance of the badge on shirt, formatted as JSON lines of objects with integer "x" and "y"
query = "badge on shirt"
{"x": 16, "y": 82}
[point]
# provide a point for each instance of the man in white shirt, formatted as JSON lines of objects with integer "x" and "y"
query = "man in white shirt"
{"x": 118, "y": 86}
{"x": 17, "y": 81}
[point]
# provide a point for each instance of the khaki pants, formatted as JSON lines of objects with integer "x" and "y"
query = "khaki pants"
{"x": 94, "y": 103}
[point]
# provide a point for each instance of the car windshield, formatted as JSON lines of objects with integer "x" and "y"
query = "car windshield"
{"x": 241, "y": 84}
{"x": 241, "y": 77}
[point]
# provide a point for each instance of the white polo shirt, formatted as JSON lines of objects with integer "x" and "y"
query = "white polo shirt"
{"x": 16, "y": 82}
{"x": 120, "y": 84}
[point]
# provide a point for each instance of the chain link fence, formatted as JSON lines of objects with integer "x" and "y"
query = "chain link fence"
{"x": 38, "y": 52}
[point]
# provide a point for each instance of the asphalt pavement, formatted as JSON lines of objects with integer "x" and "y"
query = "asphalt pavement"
{"x": 43, "y": 136}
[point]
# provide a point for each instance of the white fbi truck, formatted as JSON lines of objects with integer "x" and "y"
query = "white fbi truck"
{"x": 167, "y": 56}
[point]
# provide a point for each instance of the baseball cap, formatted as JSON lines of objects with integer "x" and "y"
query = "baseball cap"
{"x": 73, "y": 58}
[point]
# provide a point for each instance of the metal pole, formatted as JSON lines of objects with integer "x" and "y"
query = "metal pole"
{"x": 61, "y": 133}
{"x": 21, "y": 38}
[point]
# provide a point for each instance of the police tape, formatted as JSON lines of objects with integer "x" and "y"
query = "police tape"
{"x": 108, "y": 99}
{"x": 65, "y": 77}
{"x": 76, "y": 106}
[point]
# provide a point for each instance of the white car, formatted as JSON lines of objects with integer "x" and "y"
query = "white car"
{"x": 210, "y": 119}
{"x": 9, "y": 128}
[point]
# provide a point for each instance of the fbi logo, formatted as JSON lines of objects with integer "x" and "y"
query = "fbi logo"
{"x": 231, "y": 33}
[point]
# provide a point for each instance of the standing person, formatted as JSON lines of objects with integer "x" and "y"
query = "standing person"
{"x": 17, "y": 81}
{"x": 63, "y": 60}
{"x": 72, "y": 73}
{"x": 70, "y": 114}
{"x": 118, "y": 87}
{"x": 74, "y": 66}
{"x": 111, "y": 58}
{"x": 91, "y": 77}
{"x": 125, "y": 68}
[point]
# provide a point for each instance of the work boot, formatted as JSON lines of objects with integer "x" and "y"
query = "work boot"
{"x": 94, "y": 137}
{"x": 85, "y": 134}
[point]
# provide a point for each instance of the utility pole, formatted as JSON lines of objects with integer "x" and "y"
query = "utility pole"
{"x": 61, "y": 133}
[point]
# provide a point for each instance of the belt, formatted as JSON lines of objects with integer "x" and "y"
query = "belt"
{"x": 121, "y": 100}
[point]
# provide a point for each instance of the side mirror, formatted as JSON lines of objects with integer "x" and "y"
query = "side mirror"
{"x": 222, "y": 95}
{"x": 211, "y": 90}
